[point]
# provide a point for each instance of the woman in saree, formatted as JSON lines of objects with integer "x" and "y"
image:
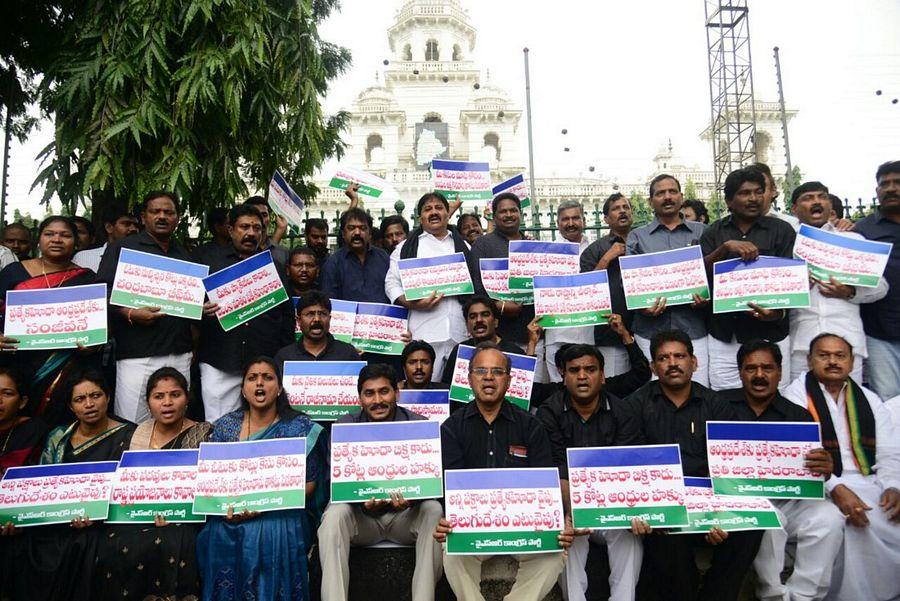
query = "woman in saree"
{"x": 252, "y": 555}
{"x": 54, "y": 268}
{"x": 155, "y": 562}
{"x": 57, "y": 562}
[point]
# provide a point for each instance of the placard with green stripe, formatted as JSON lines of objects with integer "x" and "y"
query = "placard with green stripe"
{"x": 148, "y": 280}
{"x": 770, "y": 282}
{"x": 521, "y": 378}
{"x": 572, "y": 301}
{"x": 675, "y": 275}
{"x": 57, "y": 493}
{"x": 56, "y": 318}
{"x": 369, "y": 185}
{"x": 445, "y": 274}
{"x": 466, "y": 179}
{"x": 503, "y": 511}
{"x": 324, "y": 390}
{"x": 528, "y": 258}
{"x": 708, "y": 510}
{"x": 763, "y": 459}
{"x": 379, "y": 328}
{"x": 245, "y": 290}
{"x": 495, "y": 279}
{"x": 515, "y": 185}
{"x": 374, "y": 459}
{"x": 154, "y": 483}
{"x": 610, "y": 486}
{"x": 846, "y": 256}
{"x": 256, "y": 475}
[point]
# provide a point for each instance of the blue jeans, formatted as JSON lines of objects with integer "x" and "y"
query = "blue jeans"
{"x": 883, "y": 367}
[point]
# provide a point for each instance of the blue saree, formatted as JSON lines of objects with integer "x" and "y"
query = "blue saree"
{"x": 264, "y": 558}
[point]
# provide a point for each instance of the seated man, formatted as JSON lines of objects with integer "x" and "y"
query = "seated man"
{"x": 858, "y": 433}
{"x": 584, "y": 414}
{"x": 417, "y": 360}
{"x": 317, "y": 343}
{"x": 469, "y": 439}
{"x": 817, "y": 526}
{"x": 397, "y": 520}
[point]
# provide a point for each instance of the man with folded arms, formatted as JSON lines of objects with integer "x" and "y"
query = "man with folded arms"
{"x": 395, "y": 519}
{"x": 858, "y": 433}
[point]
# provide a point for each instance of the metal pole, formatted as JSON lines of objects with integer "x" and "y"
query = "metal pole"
{"x": 7, "y": 133}
{"x": 534, "y": 203}
{"x": 787, "y": 145}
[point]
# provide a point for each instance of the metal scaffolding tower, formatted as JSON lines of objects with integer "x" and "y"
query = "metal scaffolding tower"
{"x": 732, "y": 111}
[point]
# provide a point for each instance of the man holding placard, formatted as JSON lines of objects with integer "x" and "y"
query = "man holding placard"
{"x": 858, "y": 433}
{"x": 746, "y": 234}
{"x": 317, "y": 343}
{"x": 817, "y": 526}
{"x": 674, "y": 410}
{"x": 222, "y": 354}
{"x": 146, "y": 338}
{"x": 585, "y": 415}
{"x": 395, "y": 519}
{"x": 491, "y": 432}
{"x": 833, "y": 306}
{"x": 437, "y": 318}
{"x": 666, "y": 232}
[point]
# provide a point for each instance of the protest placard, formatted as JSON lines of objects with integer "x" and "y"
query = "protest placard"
{"x": 148, "y": 280}
{"x": 256, "y": 475}
{"x": 433, "y": 404}
{"x": 446, "y": 274}
{"x": 572, "y": 301}
{"x": 495, "y": 279}
{"x": 610, "y": 486}
{"x": 469, "y": 181}
{"x": 379, "y": 328}
{"x": 324, "y": 390}
{"x": 770, "y": 282}
{"x": 369, "y": 185}
{"x": 528, "y": 258}
{"x": 57, "y": 493}
{"x": 56, "y": 318}
{"x": 675, "y": 275}
{"x": 154, "y": 483}
{"x": 503, "y": 511}
{"x": 708, "y": 510}
{"x": 849, "y": 259}
{"x": 521, "y": 378}
{"x": 245, "y": 290}
{"x": 285, "y": 201}
{"x": 372, "y": 460}
{"x": 515, "y": 185}
{"x": 763, "y": 459}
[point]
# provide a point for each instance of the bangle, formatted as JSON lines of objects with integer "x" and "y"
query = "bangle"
{"x": 502, "y": 307}
{"x": 131, "y": 323}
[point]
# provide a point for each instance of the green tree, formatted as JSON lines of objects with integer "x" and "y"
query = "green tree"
{"x": 203, "y": 97}
{"x": 25, "y": 219}
{"x": 690, "y": 190}
{"x": 640, "y": 208}
{"x": 789, "y": 183}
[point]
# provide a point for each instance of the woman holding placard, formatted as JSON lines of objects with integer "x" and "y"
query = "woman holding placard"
{"x": 57, "y": 562}
{"x": 57, "y": 236}
{"x": 155, "y": 561}
{"x": 262, "y": 555}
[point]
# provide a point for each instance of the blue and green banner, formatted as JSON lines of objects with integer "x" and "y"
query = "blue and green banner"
{"x": 324, "y": 390}
{"x": 147, "y": 280}
{"x": 155, "y": 483}
{"x": 515, "y": 185}
{"x": 528, "y": 258}
{"x": 379, "y": 328}
{"x": 675, "y": 275}
{"x": 845, "y": 256}
{"x": 572, "y": 301}
{"x": 431, "y": 404}
{"x": 446, "y": 274}
{"x": 495, "y": 279}
{"x": 708, "y": 510}
{"x": 245, "y": 290}
{"x": 285, "y": 201}
{"x": 56, "y": 318}
{"x": 770, "y": 282}
{"x": 465, "y": 179}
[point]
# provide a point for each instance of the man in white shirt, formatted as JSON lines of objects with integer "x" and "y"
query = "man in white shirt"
{"x": 118, "y": 222}
{"x": 437, "y": 320}
{"x": 6, "y": 257}
{"x": 865, "y": 485}
{"x": 833, "y": 307}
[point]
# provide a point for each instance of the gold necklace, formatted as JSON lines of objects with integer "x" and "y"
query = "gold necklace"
{"x": 47, "y": 280}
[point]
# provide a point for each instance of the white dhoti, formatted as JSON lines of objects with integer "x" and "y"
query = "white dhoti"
{"x": 221, "y": 391}
{"x": 625, "y": 551}
{"x": 131, "y": 383}
{"x": 702, "y": 375}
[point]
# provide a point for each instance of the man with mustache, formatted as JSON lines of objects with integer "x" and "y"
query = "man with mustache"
{"x": 881, "y": 319}
{"x": 395, "y": 519}
{"x": 435, "y": 319}
{"x": 490, "y": 432}
{"x": 394, "y": 230}
{"x": 769, "y": 196}
{"x": 17, "y": 238}
{"x": 357, "y": 270}
{"x": 669, "y": 231}
{"x": 222, "y": 355}
{"x": 315, "y": 233}
{"x": 604, "y": 253}
{"x": 266, "y": 242}
{"x": 833, "y": 307}
{"x": 747, "y": 233}
{"x": 817, "y": 527}
{"x": 417, "y": 360}
{"x": 317, "y": 343}
{"x": 865, "y": 485}
{"x": 145, "y": 338}
{"x": 302, "y": 271}
{"x": 674, "y": 410}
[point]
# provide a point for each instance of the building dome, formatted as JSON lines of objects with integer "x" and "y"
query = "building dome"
{"x": 489, "y": 98}
{"x": 376, "y": 99}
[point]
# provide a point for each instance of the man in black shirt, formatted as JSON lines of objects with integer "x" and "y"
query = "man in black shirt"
{"x": 222, "y": 354}
{"x": 490, "y": 432}
{"x": 674, "y": 409}
{"x": 585, "y": 415}
{"x": 145, "y": 338}
{"x": 746, "y": 234}
{"x": 417, "y": 360}
{"x": 317, "y": 343}
{"x": 817, "y": 526}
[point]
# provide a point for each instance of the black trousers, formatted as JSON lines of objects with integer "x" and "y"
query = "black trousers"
{"x": 670, "y": 571}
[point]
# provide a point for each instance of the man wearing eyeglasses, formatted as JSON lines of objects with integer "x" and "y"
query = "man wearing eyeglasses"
{"x": 490, "y": 432}
{"x": 317, "y": 343}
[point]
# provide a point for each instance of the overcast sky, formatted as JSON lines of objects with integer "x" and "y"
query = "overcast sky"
{"x": 623, "y": 77}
